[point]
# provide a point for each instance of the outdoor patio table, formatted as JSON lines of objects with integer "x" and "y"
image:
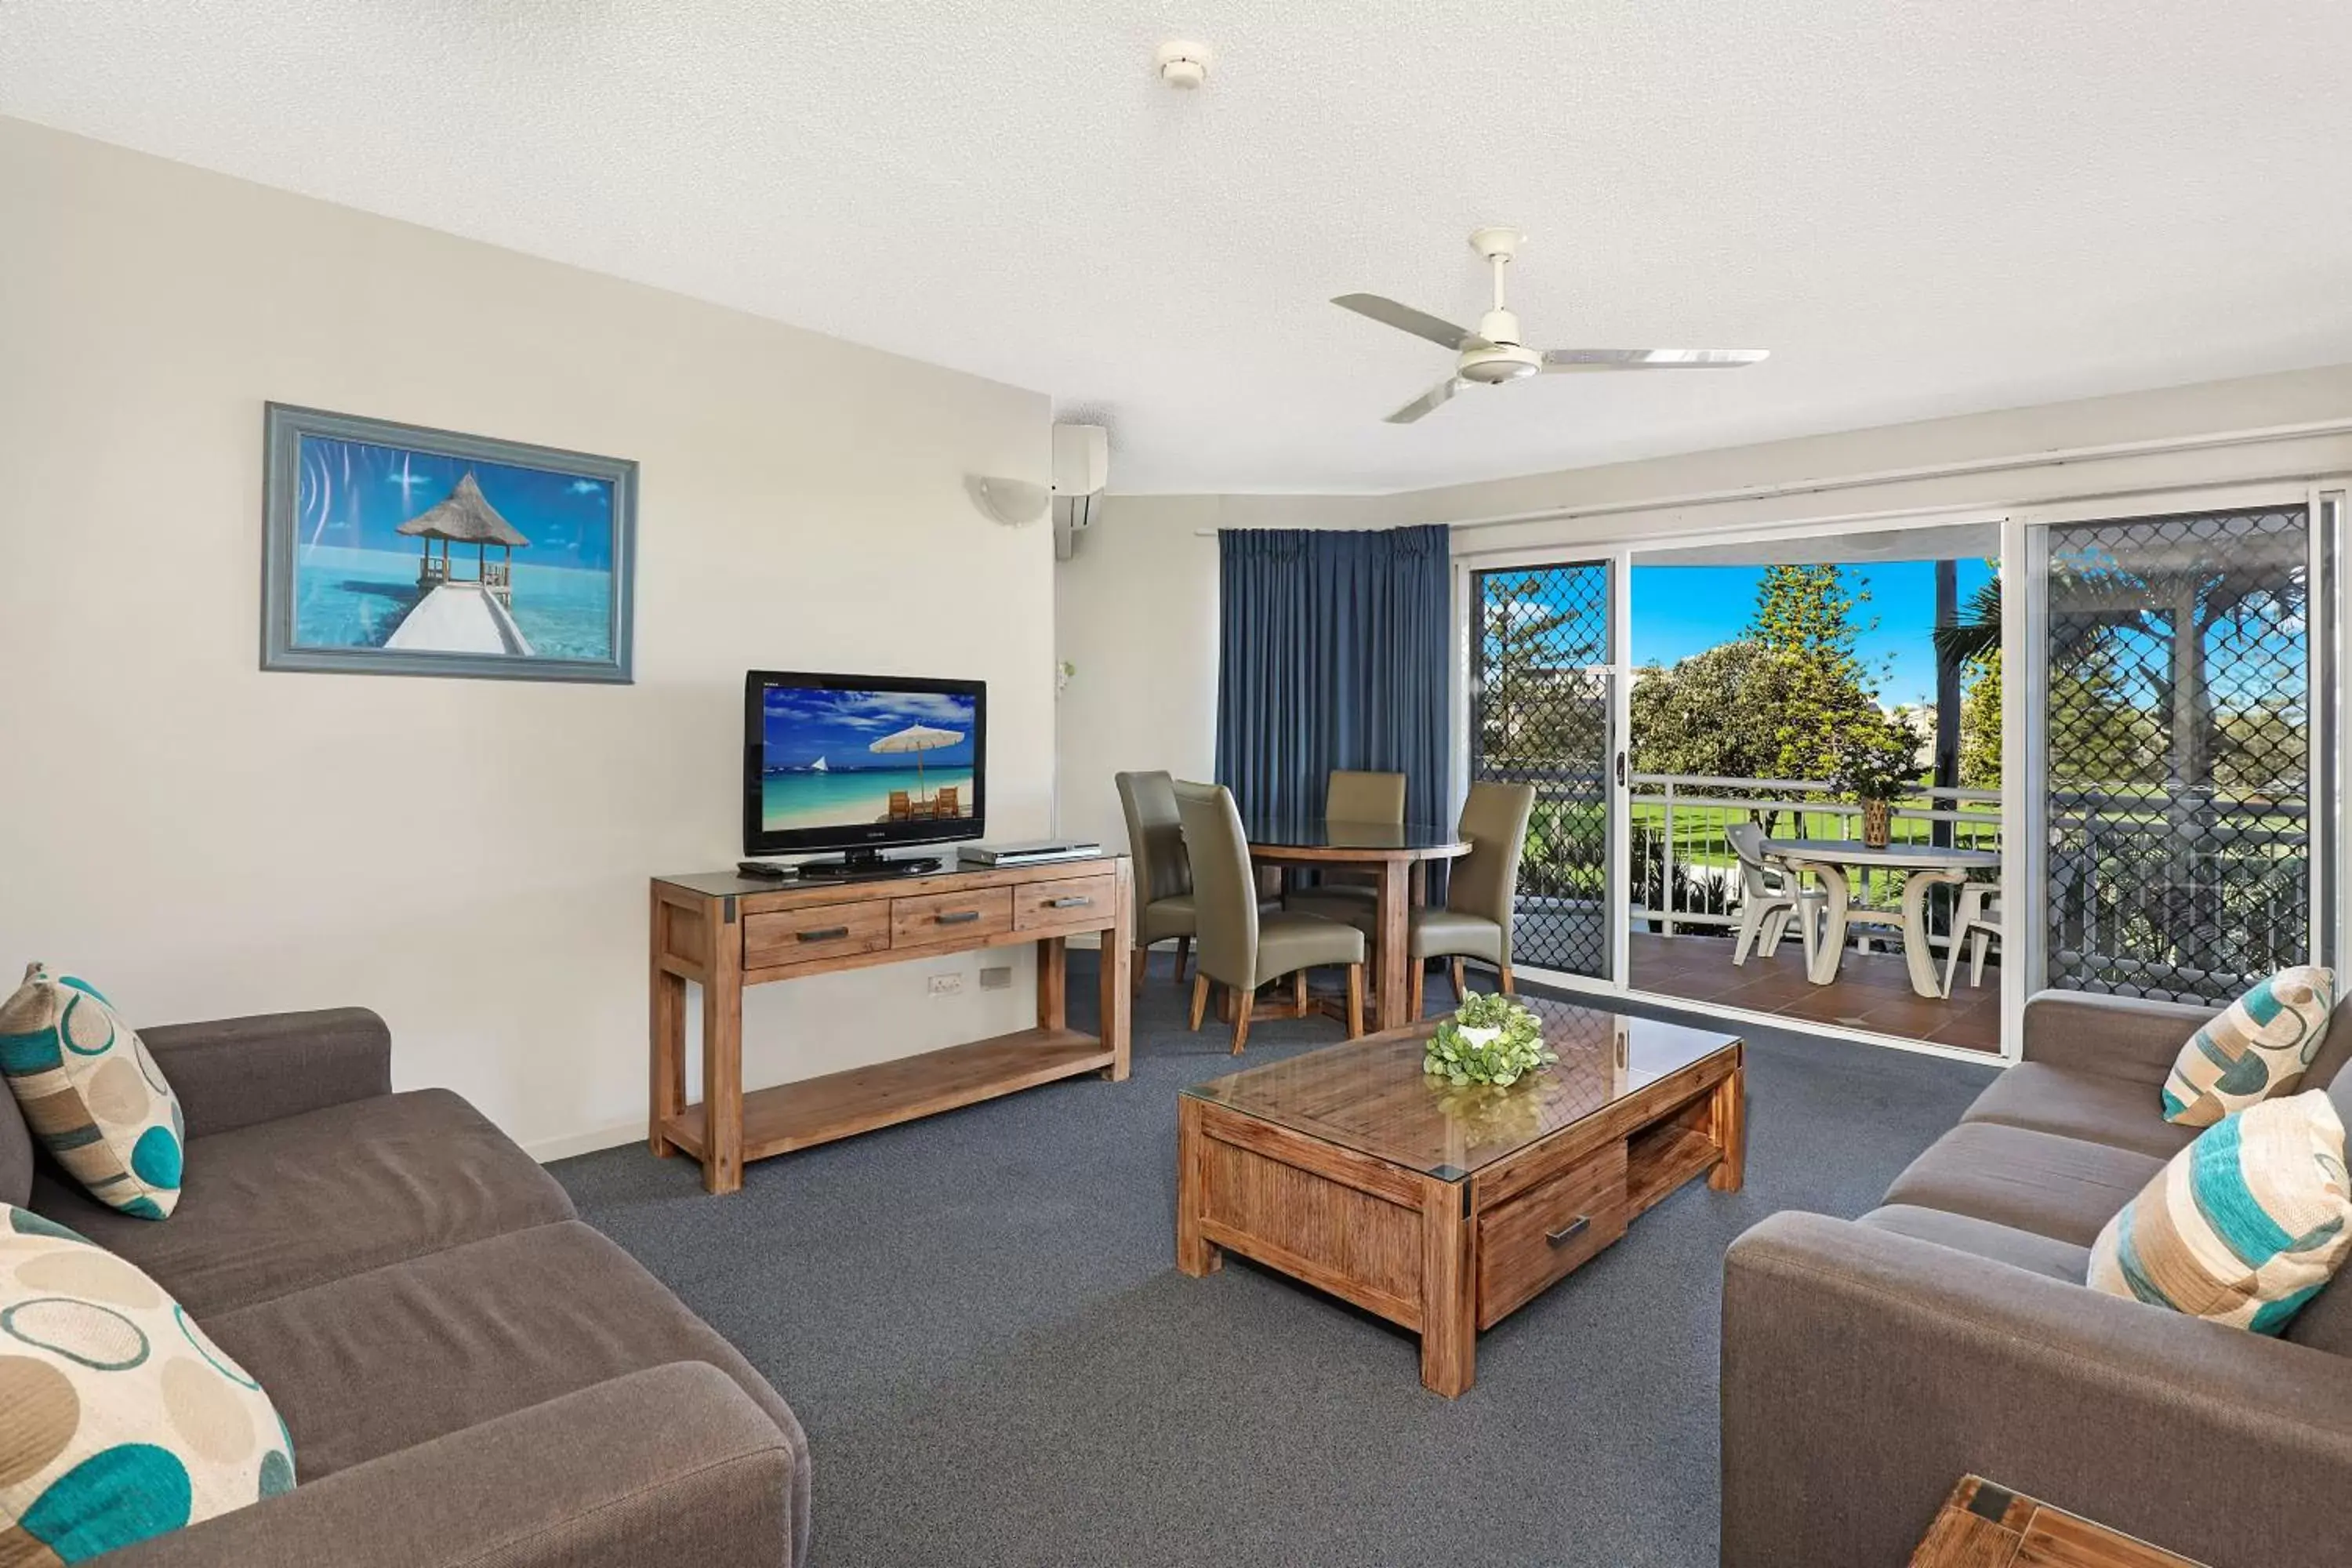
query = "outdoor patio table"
{"x": 1929, "y": 866}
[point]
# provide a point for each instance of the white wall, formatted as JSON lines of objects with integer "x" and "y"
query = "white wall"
{"x": 469, "y": 858}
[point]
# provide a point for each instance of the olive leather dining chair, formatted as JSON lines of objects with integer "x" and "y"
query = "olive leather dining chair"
{"x": 1242, "y": 947}
{"x": 1350, "y": 796}
{"x": 1480, "y": 896}
{"x": 1163, "y": 876}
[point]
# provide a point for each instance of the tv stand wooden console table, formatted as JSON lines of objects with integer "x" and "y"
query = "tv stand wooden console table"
{"x": 724, "y": 932}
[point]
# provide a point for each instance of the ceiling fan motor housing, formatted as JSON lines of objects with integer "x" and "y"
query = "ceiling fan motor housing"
{"x": 1499, "y": 357}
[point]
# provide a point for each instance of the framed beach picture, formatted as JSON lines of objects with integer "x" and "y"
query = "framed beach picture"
{"x": 391, "y": 550}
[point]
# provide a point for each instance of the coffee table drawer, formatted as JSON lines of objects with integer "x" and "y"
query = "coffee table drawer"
{"x": 1547, "y": 1230}
{"x": 950, "y": 917}
{"x": 1072, "y": 901}
{"x": 803, "y": 936}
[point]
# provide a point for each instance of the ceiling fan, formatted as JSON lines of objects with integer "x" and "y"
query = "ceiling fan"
{"x": 1494, "y": 352}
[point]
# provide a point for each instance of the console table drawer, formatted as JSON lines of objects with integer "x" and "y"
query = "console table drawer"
{"x": 1534, "y": 1238}
{"x": 948, "y": 917}
{"x": 1073, "y": 901}
{"x": 804, "y": 936}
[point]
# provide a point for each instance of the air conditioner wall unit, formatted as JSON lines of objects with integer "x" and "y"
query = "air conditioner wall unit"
{"x": 1081, "y": 459}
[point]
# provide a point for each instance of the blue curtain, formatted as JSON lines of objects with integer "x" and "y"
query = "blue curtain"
{"x": 1334, "y": 653}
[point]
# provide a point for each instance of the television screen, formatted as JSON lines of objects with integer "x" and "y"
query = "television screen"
{"x": 847, "y": 761}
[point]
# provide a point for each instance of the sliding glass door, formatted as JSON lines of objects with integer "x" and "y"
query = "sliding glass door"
{"x": 1543, "y": 710}
{"x": 2180, "y": 753}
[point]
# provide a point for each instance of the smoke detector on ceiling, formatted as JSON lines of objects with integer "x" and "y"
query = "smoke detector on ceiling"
{"x": 1183, "y": 63}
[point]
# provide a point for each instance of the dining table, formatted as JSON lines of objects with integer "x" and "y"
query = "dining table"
{"x": 1927, "y": 867}
{"x": 1397, "y": 853}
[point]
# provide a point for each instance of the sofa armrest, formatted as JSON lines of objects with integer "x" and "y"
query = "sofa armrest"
{"x": 237, "y": 1071}
{"x": 674, "y": 1464}
{"x": 2117, "y": 1037}
{"x": 1864, "y": 1373}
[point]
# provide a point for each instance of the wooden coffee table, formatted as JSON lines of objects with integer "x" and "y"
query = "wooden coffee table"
{"x": 1446, "y": 1210}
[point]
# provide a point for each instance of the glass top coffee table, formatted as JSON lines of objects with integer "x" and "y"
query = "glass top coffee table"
{"x": 1441, "y": 1209}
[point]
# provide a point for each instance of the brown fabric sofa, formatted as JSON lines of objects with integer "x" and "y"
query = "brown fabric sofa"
{"x": 470, "y": 1373}
{"x": 1868, "y": 1364}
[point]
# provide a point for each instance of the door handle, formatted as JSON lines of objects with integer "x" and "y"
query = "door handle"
{"x": 1072, "y": 902}
{"x": 957, "y": 917}
{"x": 1621, "y": 768}
{"x": 1569, "y": 1231}
{"x": 830, "y": 933}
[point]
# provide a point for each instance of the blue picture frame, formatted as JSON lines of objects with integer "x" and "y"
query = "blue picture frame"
{"x": 393, "y": 549}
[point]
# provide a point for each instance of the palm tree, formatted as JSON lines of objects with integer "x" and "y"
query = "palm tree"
{"x": 1977, "y": 634}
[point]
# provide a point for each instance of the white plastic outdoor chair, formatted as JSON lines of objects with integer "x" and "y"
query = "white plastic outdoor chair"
{"x": 1768, "y": 896}
{"x": 1976, "y": 922}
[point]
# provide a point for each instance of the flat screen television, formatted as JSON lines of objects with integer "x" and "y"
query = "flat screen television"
{"x": 861, "y": 763}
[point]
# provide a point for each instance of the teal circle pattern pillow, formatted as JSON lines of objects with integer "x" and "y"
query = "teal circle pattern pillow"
{"x": 92, "y": 1094}
{"x": 119, "y": 1419}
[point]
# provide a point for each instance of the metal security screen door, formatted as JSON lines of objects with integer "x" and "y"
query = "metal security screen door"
{"x": 1540, "y": 693}
{"x": 2180, "y": 662}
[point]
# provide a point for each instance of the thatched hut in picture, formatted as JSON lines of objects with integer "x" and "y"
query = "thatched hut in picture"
{"x": 467, "y": 516}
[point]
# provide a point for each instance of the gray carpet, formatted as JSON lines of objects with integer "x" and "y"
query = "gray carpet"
{"x": 979, "y": 1321}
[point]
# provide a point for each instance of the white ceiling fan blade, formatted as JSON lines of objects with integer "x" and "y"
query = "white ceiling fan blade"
{"x": 1555, "y": 359}
{"x": 1405, "y": 318}
{"x": 1428, "y": 400}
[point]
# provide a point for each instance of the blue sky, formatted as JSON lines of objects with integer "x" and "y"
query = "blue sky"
{"x": 803, "y": 723}
{"x": 1681, "y": 610}
{"x": 353, "y": 495}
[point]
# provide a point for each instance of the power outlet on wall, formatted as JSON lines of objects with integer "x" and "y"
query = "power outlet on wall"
{"x": 947, "y": 985}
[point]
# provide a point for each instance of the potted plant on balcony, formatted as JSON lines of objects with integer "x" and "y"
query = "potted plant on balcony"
{"x": 1877, "y": 760}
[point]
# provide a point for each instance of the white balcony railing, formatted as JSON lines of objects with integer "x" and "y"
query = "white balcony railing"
{"x": 1685, "y": 876}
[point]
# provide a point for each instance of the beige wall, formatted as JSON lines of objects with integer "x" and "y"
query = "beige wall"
{"x": 1150, "y": 586}
{"x": 468, "y": 857}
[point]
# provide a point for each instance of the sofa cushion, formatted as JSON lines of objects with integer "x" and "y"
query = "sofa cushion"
{"x": 2258, "y": 1047}
{"x": 91, "y": 1094}
{"x": 2091, "y": 1106}
{"x": 15, "y": 1154}
{"x": 2059, "y": 1187}
{"x": 387, "y": 1360}
{"x": 119, "y": 1419}
{"x": 2244, "y": 1225}
{"x": 283, "y": 1204}
{"x": 1982, "y": 1238}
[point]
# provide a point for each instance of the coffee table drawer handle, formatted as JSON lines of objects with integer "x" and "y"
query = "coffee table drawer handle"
{"x": 830, "y": 933}
{"x": 1074, "y": 901}
{"x": 1569, "y": 1231}
{"x": 957, "y": 917}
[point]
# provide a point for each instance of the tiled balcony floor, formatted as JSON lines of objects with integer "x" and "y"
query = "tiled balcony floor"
{"x": 1872, "y": 990}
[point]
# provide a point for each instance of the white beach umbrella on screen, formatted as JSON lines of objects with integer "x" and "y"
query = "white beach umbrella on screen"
{"x": 918, "y": 739}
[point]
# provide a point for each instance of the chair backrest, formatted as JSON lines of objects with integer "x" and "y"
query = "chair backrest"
{"x": 944, "y": 799}
{"x": 1224, "y": 888}
{"x": 1155, "y": 839}
{"x": 1747, "y": 842}
{"x": 1486, "y": 882}
{"x": 1364, "y": 797}
{"x": 900, "y": 806}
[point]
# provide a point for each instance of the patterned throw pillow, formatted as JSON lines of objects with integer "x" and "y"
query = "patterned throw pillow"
{"x": 2256, "y": 1048}
{"x": 119, "y": 1419}
{"x": 2244, "y": 1225}
{"x": 91, "y": 1093}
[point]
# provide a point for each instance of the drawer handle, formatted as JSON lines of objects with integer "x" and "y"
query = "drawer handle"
{"x": 830, "y": 933}
{"x": 1569, "y": 1231}
{"x": 1074, "y": 901}
{"x": 957, "y": 917}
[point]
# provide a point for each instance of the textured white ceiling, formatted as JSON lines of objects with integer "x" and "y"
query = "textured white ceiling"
{"x": 1921, "y": 207}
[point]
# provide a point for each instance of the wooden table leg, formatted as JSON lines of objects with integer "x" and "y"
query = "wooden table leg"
{"x": 722, "y": 1059}
{"x": 1917, "y": 883}
{"x": 1728, "y": 1119}
{"x": 1195, "y": 1254}
{"x": 1052, "y": 983}
{"x": 1114, "y": 994}
{"x": 666, "y": 1046}
{"x": 1449, "y": 1290}
{"x": 1394, "y": 911}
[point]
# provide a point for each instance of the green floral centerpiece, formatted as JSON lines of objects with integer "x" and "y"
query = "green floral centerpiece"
{"x": 1490, "y": 1039}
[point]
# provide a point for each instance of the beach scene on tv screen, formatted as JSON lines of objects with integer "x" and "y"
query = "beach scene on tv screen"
{"x": 839, "y": 759}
